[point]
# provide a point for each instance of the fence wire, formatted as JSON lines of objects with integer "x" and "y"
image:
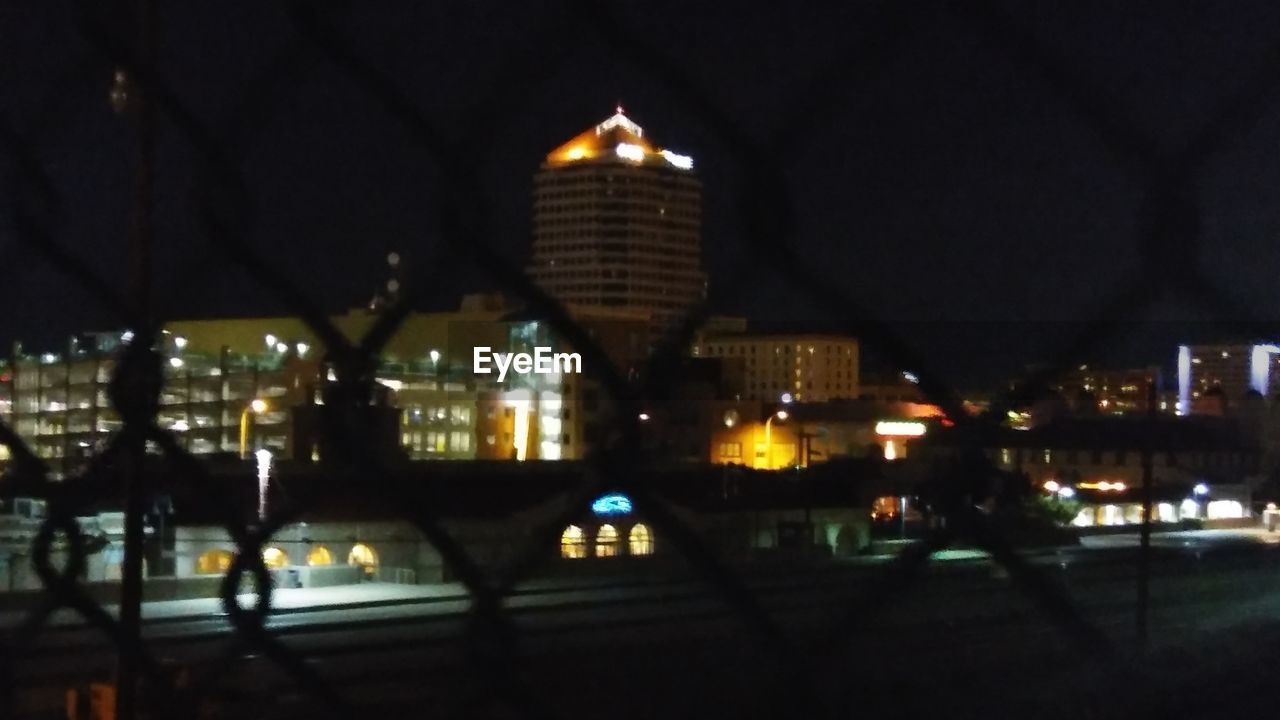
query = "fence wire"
{"x": 219, "y": 145}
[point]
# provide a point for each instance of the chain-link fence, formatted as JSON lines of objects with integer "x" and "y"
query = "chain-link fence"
{"x": 124, "y": 45}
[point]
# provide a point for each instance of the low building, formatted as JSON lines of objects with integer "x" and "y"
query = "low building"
{"x": 1201, "y": 468}
{"x": 771, "y": 436}
{"x": 343, "y": 533}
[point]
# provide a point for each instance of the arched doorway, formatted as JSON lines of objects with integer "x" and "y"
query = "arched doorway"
{"x": 607, "y": 541}
{"x": 275, "y": 558}
{"x": 319, "y": 555}
{"x": 365, "y": 558}
{"x": 214, "y": 562}
{"x": 573, "y": 543}
{"x": 640, "y": 540}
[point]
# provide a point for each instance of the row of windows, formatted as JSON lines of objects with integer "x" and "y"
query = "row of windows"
{"x": 574, "y": 543}
{"x": 1119, "y": 458}
{"x": 778, "y": 349}
{"x": 593, "y": 175}
{"x": 218, "y": 562}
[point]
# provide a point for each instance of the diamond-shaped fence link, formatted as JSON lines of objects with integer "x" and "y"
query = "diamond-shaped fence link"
{"x": 224, "y": 212}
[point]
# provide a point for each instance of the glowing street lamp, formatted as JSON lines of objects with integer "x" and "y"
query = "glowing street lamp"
{"x": 781, "y": 415}
{"x": 263, "y": 457}
{"x": 257, "y": 407}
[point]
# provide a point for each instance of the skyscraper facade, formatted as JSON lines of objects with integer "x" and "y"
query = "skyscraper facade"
{"x": 617, "y": 223}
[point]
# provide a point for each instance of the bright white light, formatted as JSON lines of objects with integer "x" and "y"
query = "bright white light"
{"x": 271, "y": 341}
{"x": 550, "y": 450}
{"x": 620, "y": 120}
{"x": 180, "y": 342}
{"x": 175, "y": 362}
{"x": 180, "y": 426}
{"x": 1051, "y": 486}
{"x": 126, "y": 337}
{"x": 1067, "y": 493}
{"x": 1200, "y": 489}
{"x": 49, "y": 358}
{"x": 1224, "y": 509}
{"x": 521, "y": 431}
{"x": 302, "y": 349}
{"x": 644, "y": 417}
{"x": 396, "y": 385}
{"x": 684, "y": 162}
{"x": 264, "y": 477}
{"x": 282, "y": 347}
{"x": 435, "y": 356}
{"x": 900, "y": 428}
{"x": 910, "y": 377}
{"x": 628, "y": 151}
{"x": 786, "y": 398}
{"x": 258, "y": 405}
{"x": 782, "y": 414}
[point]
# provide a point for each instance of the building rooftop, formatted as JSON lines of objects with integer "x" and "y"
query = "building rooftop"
{"x": 616, "y": 138}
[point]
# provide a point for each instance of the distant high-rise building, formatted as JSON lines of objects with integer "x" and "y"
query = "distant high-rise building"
{"x": 1210, "y": 376}
{"x": 617, "y": 223}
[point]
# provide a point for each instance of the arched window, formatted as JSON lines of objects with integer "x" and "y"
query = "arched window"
{"x": 606, "y": 541}
{"x": 274, "y": 558}
{"x": 640, "y": 540}
{"x": 572, "y": 543}
{"x": 362, "y": 555}
{"x": 214, "y": 562}
{"x": 319, "y": 555}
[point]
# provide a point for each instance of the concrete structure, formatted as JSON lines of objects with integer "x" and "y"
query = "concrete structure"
{"x": 617, "y": 223}
{"x": 348, "y": 533}
{"x": 228, "y": 378}
{"x": 776, "y": 368}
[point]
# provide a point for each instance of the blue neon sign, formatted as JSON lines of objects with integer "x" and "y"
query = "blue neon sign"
{"x": 613, "y": 504}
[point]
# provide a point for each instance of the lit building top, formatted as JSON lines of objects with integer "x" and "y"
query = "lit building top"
{"x": 616, "y": 138}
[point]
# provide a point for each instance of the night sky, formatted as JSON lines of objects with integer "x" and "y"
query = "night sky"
{"x": 931, "y": 172}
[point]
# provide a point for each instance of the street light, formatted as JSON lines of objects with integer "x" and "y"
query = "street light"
{"x": 264, "y": 478}
{"x": 768, "y": 437}
{"x": 257, "y": 407}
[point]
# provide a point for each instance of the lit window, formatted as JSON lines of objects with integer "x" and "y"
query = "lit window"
{"x": 213, "y": 562}
{"x": 640, "y": 540}
{"x": 274, "y": 558}
{"x": 362, "y": 555}
{"x": 319, "y": 555}
{"x": 606, "y": 541}
{"x": 572, "y": 543}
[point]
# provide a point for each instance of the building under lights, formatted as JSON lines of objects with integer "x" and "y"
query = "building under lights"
{"x": 785, "y": 368}
{"x": 617, "y": 224}
{"x": 769, "y": 436}
{"x": 1203, "y": 469}
{"x": 1092, "y": 389}
{"x": 1214, "y": 378}
{"x": 215, "y": 370}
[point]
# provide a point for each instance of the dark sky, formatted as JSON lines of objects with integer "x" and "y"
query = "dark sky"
{"x": 932, "y": 173}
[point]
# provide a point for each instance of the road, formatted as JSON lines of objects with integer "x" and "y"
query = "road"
{"x": 673, "y": 646}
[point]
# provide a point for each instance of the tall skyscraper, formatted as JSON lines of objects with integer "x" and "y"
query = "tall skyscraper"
{"x": 617, "y": 223}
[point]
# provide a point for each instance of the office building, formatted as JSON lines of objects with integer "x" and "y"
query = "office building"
{"x": 786, "y": 368}
{"x": 1214, "y": 378}
{"x": 617, "y": 224}
{"x": 236, "y": 385}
